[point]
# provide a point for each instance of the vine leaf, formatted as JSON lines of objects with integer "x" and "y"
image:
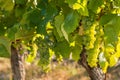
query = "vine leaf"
{"x": 70, "y": 2}
{"x": 20, "y": 2}
{"x": 12, "y": 31}
{"x": 117, "y": 3}
{"x": 19, "y": 11}
{"x": 31, "y": 18}
{"x": 5, "y": 4}
{"x": 59, "y": 49}
{"x": 79, "y": 5}
{"x": 64, "y": 33}
{"x": 71, "y": 22}
{"x": 107, "y": 18}
{"x": 58, "y": 21}
{"x": 76, "y": 46}
{"x": 5, "y": 45}
{"x": 96, "y": 3}
{"x": 111, "y": 33}
{"x": 111, "y": 30}
{"x": 76, "y": 52}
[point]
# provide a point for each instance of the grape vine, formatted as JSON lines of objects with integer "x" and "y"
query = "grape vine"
{"x": 62, "y": 27}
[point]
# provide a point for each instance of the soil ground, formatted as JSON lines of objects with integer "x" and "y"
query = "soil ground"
{"x": 64, "y": 71}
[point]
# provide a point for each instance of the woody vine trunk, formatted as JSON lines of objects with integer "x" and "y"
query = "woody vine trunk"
{"x": 17, "y": 63}
{"x": 94, "y": 73}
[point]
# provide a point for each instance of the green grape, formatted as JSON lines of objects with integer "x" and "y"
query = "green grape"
{"x": 109, "y": 50}
{"x": 30, "y": 58}
{"x": 118, "y": 48}
{"x": 93, "y": 53}
{"x": 104, "y": 66}
{"x": 92, "y": 57}
{"x": 90, "y": 33}
{"x": 92, "y": 42}
{"x": 113, "y": 60}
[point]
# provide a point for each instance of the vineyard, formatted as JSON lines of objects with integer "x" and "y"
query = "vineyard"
{"x": 42, "y": 31}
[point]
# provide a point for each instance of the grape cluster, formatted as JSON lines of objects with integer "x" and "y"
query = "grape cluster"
{"x": 92, "y": 40}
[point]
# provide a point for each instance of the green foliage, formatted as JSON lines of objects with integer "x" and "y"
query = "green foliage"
{"x": 117, "y": 3}
{"x": 79, "y": 5}
{"x": 103, "y": 62}
{"x": 58, "y": 23}
{"x": 71, "y": 22}
{"x": 4, "y": 5}
{"x": 5, "y": 47}
{"x": 75, "y": 46}
{"x": 94, "y": 5}
{"x": 113, "y": 28}
{"x": 44, "y": 53}
{"x": 62, "y": 27}
{"x": 106, "y": 18}
{"x": 20, "y": 2}
{"x": 65, "y": 45}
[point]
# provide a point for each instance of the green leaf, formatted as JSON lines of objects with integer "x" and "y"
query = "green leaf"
{"x": 71, "y": 22}
{"x": 7, "y": 19}
{"x": 2, "y": 31}
{"x": 48, "y": 12}
{"x": 62, "y": 48}
{"x": 31, "y": 18}
{"x": 116, "y": 3}
{"x": 3, "y": 51}
{"x": 12, "y": 31}
{"x": 110, "y": 34}
{"x": 95, "y": 4}
{"x": 64, "y": 33}
{"x": 20, "y": 2}
{"x": 51, "y": 11}
{"x": 58, "y": 23}
{"x": 70, "y": 2}
{"x": 5, "y": 45}
{"x": 67, "y": 25}
{"x": 41, "y": 28}
{"x": 24, "y": 34}
{"x": 75, "y": 43}
{"x": 7, "y": 5}
{"x": 21, "y": 33}
{"x": 112, "y": 30}
{"x": 76, "y": 52}
{"x": 44, "y": 60}
{"x": 107, "y": 18}
{"x": 19, "y": 11}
